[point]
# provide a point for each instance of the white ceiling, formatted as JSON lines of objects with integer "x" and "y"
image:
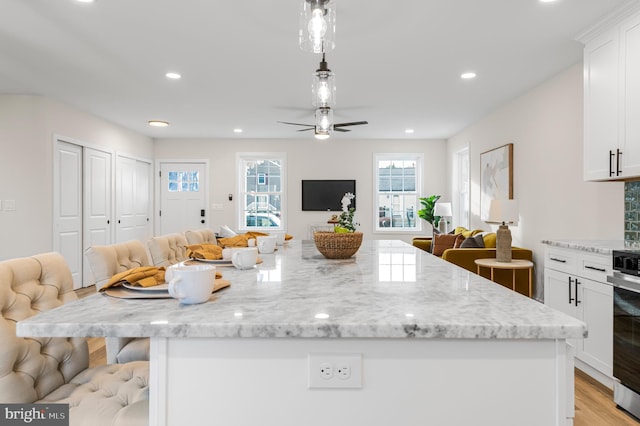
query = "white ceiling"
{"x": 397, "y": 63}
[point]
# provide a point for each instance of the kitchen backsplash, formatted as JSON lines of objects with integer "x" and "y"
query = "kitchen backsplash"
{"x": 632, "y": 211}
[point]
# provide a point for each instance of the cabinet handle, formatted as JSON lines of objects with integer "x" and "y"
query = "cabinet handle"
{"x": 577, "y": 301}
{"x": 595, "y": 269}
{"x": 571, "y": 299}
{"x": 558, "y": 260}
{"x": 611, "y": 154}
{"x": 619, "y": 153}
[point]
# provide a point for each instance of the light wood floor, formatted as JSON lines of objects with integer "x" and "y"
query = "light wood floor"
{"x": 594, "y": 401}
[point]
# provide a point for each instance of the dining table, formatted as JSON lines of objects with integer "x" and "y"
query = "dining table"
{"x": 392, "y": 335}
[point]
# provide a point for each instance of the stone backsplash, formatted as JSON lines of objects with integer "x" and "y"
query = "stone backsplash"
{"x": 632, "y": 211}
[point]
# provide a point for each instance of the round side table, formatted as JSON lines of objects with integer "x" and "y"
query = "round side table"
{"x": 514, "y": 265}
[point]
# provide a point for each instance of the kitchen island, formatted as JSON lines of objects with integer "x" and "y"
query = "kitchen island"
{"x": 393, "y": 335}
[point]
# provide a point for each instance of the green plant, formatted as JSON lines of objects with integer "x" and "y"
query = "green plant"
{"x": 426, "y": 212}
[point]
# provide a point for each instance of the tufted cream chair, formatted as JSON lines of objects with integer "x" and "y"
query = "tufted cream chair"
{"x": 105, "y": 261}
{"x": 200, "y": 236}
{"x": 167, "y": 250}
{"x": 55, "y": 370}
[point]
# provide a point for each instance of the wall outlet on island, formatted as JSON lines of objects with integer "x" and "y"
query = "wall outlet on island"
{"x": 334, "y": 370}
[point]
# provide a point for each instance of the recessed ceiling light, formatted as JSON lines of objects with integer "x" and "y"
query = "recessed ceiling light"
{"x": 408, "y": 131}
{"x": 173, "y": 75}
{"x": 85, "y": 1}
{"x": 547, "y": 1}
{"x": 468, "y": 75}
{"x": 237, "y": 130}
{"x": 158, "y": 123}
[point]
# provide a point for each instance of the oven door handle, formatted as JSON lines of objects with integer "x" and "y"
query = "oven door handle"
{"x": 620, "y": 281}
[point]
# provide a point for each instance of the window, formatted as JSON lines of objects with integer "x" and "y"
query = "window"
{"x": 261, "y": 188}
{"x": 461, "y": 188}
{"x": 398, "y": 178}
{"x": 184, "y": 181}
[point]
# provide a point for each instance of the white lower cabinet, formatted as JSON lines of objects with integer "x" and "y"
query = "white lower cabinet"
{"x": 586, "y": 299}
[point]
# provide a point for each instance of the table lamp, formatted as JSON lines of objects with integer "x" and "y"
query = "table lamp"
{"x": 503, "y": 211}
{"x": 443, "y": 210}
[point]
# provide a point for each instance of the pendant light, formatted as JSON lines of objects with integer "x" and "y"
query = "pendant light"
{"x": 323, "y": 87}
{"x": 317, "y": 26}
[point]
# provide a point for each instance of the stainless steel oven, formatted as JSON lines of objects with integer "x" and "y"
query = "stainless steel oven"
{"x": 626, "y": 329}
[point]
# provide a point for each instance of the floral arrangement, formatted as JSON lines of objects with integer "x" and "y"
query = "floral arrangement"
{"x": 345, "y": 221}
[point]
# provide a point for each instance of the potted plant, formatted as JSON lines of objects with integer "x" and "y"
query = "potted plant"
{"x": 426, "y": 212}
{"x": 344, "y": 241}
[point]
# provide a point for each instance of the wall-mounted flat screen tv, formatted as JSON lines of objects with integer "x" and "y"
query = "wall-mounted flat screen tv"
{"x": 326, "y": 195}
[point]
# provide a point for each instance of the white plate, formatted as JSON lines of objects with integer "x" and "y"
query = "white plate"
{"x": 215, "y": 261}
{"x": 160, "y": 287}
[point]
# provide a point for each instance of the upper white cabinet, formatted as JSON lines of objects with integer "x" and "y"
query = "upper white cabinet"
{"x": 612, "y": 102}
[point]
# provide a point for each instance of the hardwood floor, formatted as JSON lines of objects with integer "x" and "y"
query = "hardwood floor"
{"x": 594, "y": 401}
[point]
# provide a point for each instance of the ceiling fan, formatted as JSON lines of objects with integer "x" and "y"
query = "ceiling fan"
{"x": 324, "y": 124}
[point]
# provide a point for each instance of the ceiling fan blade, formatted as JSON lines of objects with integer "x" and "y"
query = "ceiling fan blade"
{"x": 304, "y": 130}
{"x": 295, "y": 124}
{"x": 340, "y": 130}
{"x": 353, "y": 123}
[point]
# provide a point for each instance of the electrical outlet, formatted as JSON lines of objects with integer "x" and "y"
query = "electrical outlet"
{"x": 332, "y": 370}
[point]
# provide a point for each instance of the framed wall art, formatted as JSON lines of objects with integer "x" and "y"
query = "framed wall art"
{"x": 496, "y": 177}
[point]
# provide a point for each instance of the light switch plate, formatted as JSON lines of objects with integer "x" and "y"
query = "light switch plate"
{"x": 9, "y": 205}
{"x": 0, "y": 205}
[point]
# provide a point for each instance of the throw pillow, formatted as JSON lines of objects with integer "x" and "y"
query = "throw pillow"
{"x": 442, "y": 242}
{"x": 489, "y": 239}
{"x": 473, "y": 242}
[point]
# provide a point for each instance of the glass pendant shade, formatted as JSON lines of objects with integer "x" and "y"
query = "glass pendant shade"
{"x": 324, "y": 120}
{"x": 323, "y": 88}
{"x": 317, "y": 26}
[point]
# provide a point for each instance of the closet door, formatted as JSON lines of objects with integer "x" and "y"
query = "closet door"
{"x": 97, "y": 203}
{"x": 67, "y": 207}
{"x": 133, "y": 199}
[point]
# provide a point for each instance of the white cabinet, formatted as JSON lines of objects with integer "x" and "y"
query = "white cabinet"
{"x": 575, "y": 283}
{"x": 612, "y": 102}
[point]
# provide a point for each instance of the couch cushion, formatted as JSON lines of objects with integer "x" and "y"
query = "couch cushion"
{"x": 473, "y": 242}
{"x": 442, "y": 242}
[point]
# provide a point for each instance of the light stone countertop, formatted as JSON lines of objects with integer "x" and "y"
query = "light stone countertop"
{"x": 390, "y": 289}
{"x": 590, "y": 246}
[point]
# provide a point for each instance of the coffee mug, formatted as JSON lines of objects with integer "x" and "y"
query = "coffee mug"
{"x": 279, "y": 238}
{"x": 266, "y": 244}
{"x": 244, "y": 258}
{"x": 192, "y": 284}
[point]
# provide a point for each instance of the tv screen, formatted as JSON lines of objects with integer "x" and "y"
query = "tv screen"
{"x": 326, "y": 195}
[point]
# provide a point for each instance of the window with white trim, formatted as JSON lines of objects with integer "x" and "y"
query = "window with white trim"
{"x": 397, "y": 189}
{"x": 261, "y": 200}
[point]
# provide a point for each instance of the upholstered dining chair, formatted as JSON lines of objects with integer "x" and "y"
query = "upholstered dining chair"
{"x": 200, "y": 236}
{"x": 168, "y": 249}
{"x": 56, "y": 370}
{"x": 106, "y": 261}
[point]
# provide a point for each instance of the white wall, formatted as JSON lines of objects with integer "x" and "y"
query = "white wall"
{"x": 27, "y": 128}
{"x": 308, "y": 159}
{"x": 545, "y": 126}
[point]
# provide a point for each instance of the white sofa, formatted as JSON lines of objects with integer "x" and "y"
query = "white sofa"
{"x": 56, "y": 370}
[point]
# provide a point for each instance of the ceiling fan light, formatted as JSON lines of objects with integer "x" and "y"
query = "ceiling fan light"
{"x": 317, "y": 25}
{"x": 324, "y": 119}
{"x": 321, "y": 135}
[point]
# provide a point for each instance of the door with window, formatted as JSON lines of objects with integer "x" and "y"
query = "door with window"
{"x": 183, "y": 196}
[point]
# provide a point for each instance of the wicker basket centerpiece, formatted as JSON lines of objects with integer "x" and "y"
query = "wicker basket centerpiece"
{"x": 336, "y": 245}
{"x": 343, "y": 242}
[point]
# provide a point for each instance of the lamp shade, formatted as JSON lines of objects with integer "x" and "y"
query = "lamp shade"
{"x": 442, "y": 209}
{"x": 317, "y": 25}
{"x": 504, "y": 211}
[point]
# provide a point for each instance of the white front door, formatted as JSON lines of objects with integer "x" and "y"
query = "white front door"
{"x": 183, "y": 197}
{"x": 97, "y": 203}
{"x": 67, "y": 205}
